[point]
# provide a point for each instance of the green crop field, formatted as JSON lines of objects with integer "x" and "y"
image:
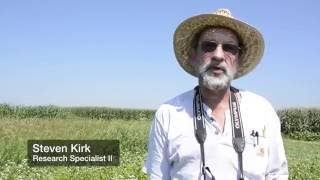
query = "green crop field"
{"x": 14, "y": 134}
{"x": 303, "y": 157}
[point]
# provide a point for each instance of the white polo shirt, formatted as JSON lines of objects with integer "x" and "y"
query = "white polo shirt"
{"x": 174, "y": 153}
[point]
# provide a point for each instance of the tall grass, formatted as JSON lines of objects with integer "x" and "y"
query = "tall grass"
{"x": 303, "y": 157}
{"x": 14, "y": 134}
{"x": 32, "y": 111}
{"x": 111, "y": 113}
{"x": 131, "y": 126}
{"x": 302, "y": 123}
{"x": 52, "y": 111}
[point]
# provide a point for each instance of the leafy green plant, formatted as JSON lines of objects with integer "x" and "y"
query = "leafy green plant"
{"x": 303, "y": 123}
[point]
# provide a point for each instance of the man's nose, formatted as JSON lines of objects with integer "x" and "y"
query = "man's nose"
{"x": 218, "y": 53}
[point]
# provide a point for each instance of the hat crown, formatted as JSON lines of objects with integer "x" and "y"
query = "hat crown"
{"x": 223, "y": 12}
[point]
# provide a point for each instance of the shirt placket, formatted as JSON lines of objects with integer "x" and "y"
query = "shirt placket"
{"x": 214, "y": 125}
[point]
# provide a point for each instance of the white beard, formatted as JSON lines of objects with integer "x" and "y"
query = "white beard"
{"x": 214, "y": 82}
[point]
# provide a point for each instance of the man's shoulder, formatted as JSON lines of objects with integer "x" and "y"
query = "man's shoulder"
{"x": 253, "y": 98}
{"x": 180, "y": 101}
{"x": 181, "y": 98}
{"x": 251, "y": 95}
{"x": 174, "y": 108}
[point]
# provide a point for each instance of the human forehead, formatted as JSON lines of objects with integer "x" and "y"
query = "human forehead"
{"x": 219, "y": 35}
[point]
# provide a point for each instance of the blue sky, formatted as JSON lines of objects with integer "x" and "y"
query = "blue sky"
{"x": 119, "y": 53}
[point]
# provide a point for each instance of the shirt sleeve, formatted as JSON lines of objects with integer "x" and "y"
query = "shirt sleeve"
{"x": 277, "y": 165}
{"x": 157, "y": 165}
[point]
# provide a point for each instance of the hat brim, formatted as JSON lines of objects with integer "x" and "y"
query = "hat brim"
{"x": 251, "y": 38}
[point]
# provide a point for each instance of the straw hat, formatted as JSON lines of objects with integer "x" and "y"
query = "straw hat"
{"x": 250, "y": 38}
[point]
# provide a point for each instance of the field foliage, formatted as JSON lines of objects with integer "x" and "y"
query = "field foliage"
{"x": 301, "y": 124}
{"x": 21, "y": 123}
{"x": 14, "y": 134}
{"x": 51, "y": 111}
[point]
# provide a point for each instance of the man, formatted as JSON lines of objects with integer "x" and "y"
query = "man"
{"x": 216, "y": 131}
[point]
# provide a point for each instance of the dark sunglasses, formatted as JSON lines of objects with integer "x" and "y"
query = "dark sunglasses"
{"x": 210, "y": 46}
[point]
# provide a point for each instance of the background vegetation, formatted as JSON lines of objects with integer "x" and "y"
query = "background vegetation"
{"x": 21, "y": 123}
{"x": 302, "y": 124}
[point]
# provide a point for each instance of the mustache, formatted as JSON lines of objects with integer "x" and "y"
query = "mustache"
{"x": 213, "y": 64}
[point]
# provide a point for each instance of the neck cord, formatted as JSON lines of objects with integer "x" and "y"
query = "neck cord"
{"x": 238, "y": 140}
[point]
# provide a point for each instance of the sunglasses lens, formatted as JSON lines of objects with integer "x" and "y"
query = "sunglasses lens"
{"x": 231, "y": 48}
{"x": 208, "y": 46}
